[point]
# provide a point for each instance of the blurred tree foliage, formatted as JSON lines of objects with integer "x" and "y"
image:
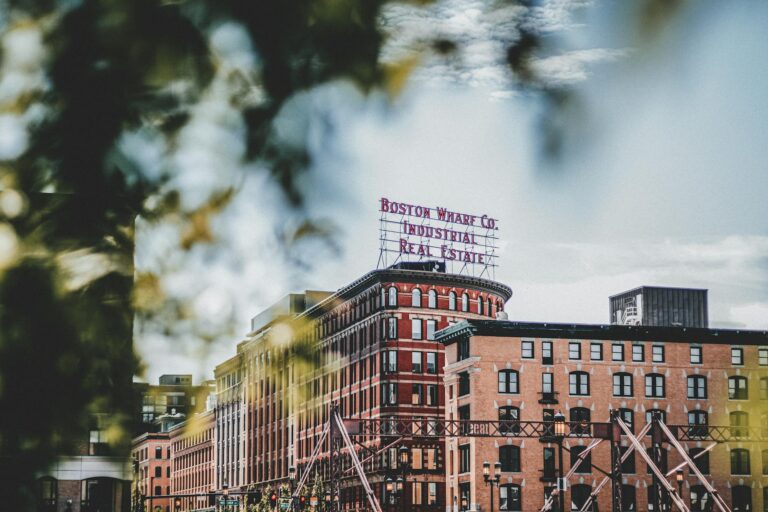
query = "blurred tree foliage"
{"x": 71, "y": 193}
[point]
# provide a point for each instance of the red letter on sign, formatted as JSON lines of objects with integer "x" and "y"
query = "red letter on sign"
{"x": 384, "y": 204}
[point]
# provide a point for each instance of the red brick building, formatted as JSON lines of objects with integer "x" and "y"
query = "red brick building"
{"x": 500, "y": 370}
{"x": 152, "y": 451}
{"x": 371, "y": 348}
{"x": 192, "y": 459}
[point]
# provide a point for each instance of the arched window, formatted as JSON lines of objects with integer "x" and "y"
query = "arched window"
{"x": 697, "y": 386}
{"x": 509, "y": 419}
{"x": 510, "y": 498}
{"x": 628, "y": 416}
{"x": 622, "y": 384}
{"x": 765, "y": 463}
{"x": 452, "y": 301}
{"x": 739, "y": 423}
{"x": 392, "y": 297}
{"x": 509, "y": 456}
{"x": 465, "y": 302}
{"x": 479, "y": 305}
{"x": 383, "y": 298}
{"x": 698, "y": 420}
{"x": 740, "y": 461}
{"x": 741, "y": 498}
{"x": 654, "y": 385}
{"x": 490, "y": 307}
{"x": 508, "y": 381}
{"x": 578, "y": 383}
{"x": 579, "y": 495}
{"x": 432, "y": 299}
{"x": 416, "y": 298}
{"x": 737, "y": 388}
{"x": 580, "y": 418}
{"x": 699, "y": 498}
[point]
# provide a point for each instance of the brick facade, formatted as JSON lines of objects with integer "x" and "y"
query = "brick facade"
{"x": 662, "y": 373}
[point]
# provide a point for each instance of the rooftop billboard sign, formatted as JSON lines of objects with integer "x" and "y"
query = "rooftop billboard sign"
{"x": 467, "y": 243}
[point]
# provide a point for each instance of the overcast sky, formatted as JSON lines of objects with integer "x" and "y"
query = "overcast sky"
{"x": 663, "y": 180}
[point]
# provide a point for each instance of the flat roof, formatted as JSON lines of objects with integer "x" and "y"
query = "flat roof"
{"x": 652, "y": 287}
{"x": 508, "y": 328}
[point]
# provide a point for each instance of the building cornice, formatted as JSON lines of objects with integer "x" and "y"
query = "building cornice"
{"x": 504, "y": 328}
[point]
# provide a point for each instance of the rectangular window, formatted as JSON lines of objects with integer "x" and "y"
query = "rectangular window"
{"x": 389, "y": 393}
{"x": 416, "y": 362}
{"x": 389, "y": 361}
{"x": 392, "y": 328}
{"x": 762, "y": 356}
{"x": 464, "y": 458}
{"x": 432, "y": 497}
{"x": 417, "y": 394}
{"x": 547, "y": 383}
{"x": 416, "y": 493}
{"x": 546, "y": 352}
{"x": 463, "y": 349}
{"x": 432, "y": 394}
{"x": 617, "y": 352}
{"x": 431, "y": 327}
{"x": 527, "y": 350}
{"x": 549, "y": 464}
{"x": 574, "y": 350}
{"x": 463, "y": 383}
{"x": 432, "y": 362}
{"x": 596, "y": 351}
{"x": 638, "y": 353}
{"x": 737, "y": 356}
{"x": 657, "y": 353}
{"x": 696, "y": 354}
{"x": 700, "y": 458}
{"x": 416, "y": 329}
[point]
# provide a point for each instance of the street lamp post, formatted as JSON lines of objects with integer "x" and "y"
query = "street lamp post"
{"x": 560, "y": 425}
{"x": 491, "y": 480}
{"x": 225, "y": 493}
{"x": 679, "y": 477}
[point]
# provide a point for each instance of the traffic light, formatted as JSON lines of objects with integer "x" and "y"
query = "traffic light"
{"x": 302, "y": 502}
{"x": 273, "y": 499}
{"x": 177, "y": 503}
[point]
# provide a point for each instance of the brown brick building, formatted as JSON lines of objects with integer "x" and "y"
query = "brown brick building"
{"x": 500, "y": 370}
{"x": 152, "y": 452}
{"x": 192, "y": 459}
{"x": 371, "y": 348}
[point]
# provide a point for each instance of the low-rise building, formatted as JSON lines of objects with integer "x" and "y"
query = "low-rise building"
{"x": 192, "y": 460}
{"x": 151, "y": 454}
{"x": 512, "y": 371}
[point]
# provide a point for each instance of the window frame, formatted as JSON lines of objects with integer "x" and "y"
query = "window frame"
{"x": 505, "y": 380}
{"x": 638, "y": 356}
{"x": 621, "y": 382}
{"x": 574, "y": 355}
{"x": 737, "y": 353}
{"x": 592, "y": 347}
{"x": 698, "y": 357}
{"x": 693, "y": 383}
{"x": 654, "y": 353}
{"x": 620, "y": 347}
{"x": 577, "y": 381}
{"x": 529, "y": 347}
{"x": 655, "y": 379}
{"x": 416, "y": 298}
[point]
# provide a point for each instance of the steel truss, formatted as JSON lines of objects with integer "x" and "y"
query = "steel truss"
{"x": 343, "y": 431}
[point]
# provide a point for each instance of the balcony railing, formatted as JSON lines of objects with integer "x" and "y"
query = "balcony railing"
{"x": 548, "y": 397}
